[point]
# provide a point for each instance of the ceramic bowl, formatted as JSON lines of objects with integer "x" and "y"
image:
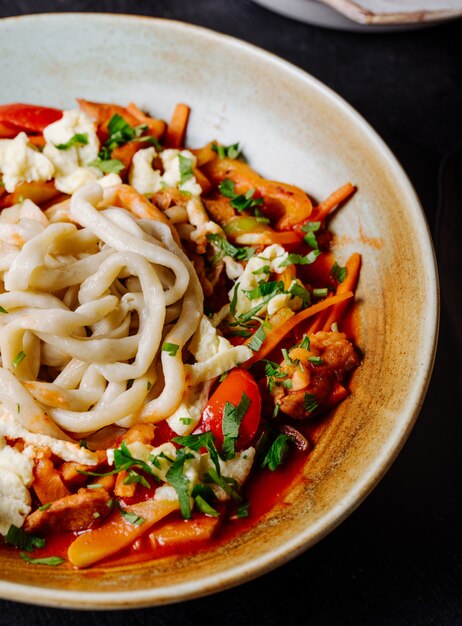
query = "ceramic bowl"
{"x": 295, "y": 129}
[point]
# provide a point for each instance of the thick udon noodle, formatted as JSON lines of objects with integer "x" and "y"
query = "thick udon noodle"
{"x": 91, "y": 301}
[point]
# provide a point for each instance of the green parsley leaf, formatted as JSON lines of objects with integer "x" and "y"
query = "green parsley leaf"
{"x": 310, "y": 228}
{"x": 233, "y": 303}
{"x": 204, "y": 491}
{"x": 180, "y": 482}
{"x": 232, "y": 418}
{"x": 287, "y": 384}
{"x": 123, "y": 461}
{"x": 286, "y": 356}
{"x": 120, "y": 133}
{"x": 19, "y": 538}
{"x": 2, "y": 310}
{"x": 198, "y": 441}
{"x": 107, "y": 166}
{"x": 227, "y": 249}
{"x": 243, "y": 510}
{"x": 133, "y": 518}
{"x": 171, "y": 348}
{"x": 77, "y": 139}
{"x": 231, "y": 152}
{"x": 49, "y": 560}
{"x": 316, "y": 360}
{"x": 241, "y": 202}
{"x": 185, "y": 168}
{"x": 227, "y": 484}
{"x": 258, "y": 338}
{"x": 262, "y": 446}
{"x": 320, "y": 292}
{"x": 305, "y": 342}
{"x": 44, "y": 507}
{"x": 271, "y": 288}
{"x": 133, "y": 477}
{"x": 245, "y": 317}
{"x": 95, "y": 486}
{"x": 277, "y": 452}
{"x": 83, "y": 444}
{"x": 205, "y": 507}
{"x": 266, "y": 269}
{"x": 148, "y": 385}
{"x": 309, "y": 401}
{"x": 242, "y": 333}
{"x": 300, "y": 259}
{"x": 19, "y": 358}
{"x": 297, "y": 290}
{"x": 338, "y": 273}
{"x": 187, "y": 421}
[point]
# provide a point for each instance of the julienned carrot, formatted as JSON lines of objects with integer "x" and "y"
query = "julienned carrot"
{"x": 277, "y": 334}
{"x": 349, "y": 284}
{"x": 282, "y": 238}
{"x": 327, "y": 206}
{"x": 155, "y": 127}
{"x": 202, "y": 179}
{"x": 118, "y": 532}
{"x": 176, "y": 130}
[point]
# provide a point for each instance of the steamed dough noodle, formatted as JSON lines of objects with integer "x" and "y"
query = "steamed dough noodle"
{"x": 86, "y": 306}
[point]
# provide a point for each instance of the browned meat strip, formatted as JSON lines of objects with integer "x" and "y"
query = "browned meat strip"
{"x": 71, "y": 513}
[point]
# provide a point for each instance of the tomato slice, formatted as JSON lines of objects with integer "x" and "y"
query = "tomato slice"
{"x": 231, "y": 389}
{"x": 27, "y": 117}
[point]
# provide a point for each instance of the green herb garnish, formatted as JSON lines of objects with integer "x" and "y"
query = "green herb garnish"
{"x": 232, "y": 418}
{"x": 185, "y": 168}
{"x": 231, "y": 152}
{"x": 309, "y": 401}
{"x": 338, "y": 273}
{"x": 19, "y": 538}
{"x": 257, "y": 339}
{"x": 49, "y": 560}
{"x": 107, "y": 166}
{"x": 300, "y": 259}
{"x": 240, "y": 202}
{"x": 171, "y": 348}
{"x": 277, "y": 452}
{"x": 310, "y": 228}
{"x": 19, "y": 358}
{"x": 180, "y": 482}
{"x": 77, "y": 139}
{"x": 227, "y": 249}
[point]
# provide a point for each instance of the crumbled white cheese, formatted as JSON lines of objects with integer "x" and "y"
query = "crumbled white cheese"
{"x": 16, "y": 475}
{"x": 214, "y": 354}
{"x": 20, "y": 162}
{"x": 172, "y": 175}
{"x": 65, "y": 450}
{"x": 188, "y": 414}
{"x": 71, "y": 173}
{"x": 143, "y": 177}
{"x": 272, "y": 256}
{"x": 233, "y": 268}
{"x": 109, "y": 180}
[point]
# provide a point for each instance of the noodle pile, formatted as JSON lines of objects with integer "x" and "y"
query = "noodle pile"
{"x": 96, "y": 307}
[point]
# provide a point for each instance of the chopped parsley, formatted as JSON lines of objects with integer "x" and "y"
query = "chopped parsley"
{"x": 296, "y": 290}
{"x": 338, "y": 273}
{"x": 243, "y": 510}
{"x": 107, "y": 166}
{"x": 231, "y": 152}
{"x": 2, "y": 310}
{"x": 309, "y": 401}
{"x": 233, "y": 303}
{"x": 18, "y": 359}
{"x": 120, "y": 133}
{"x": 274, "y": 374}
{"x": 49, "y": 560}
{"x": 310, "y": 228}
{"x": 45, "y": 507}
{"x": 180, "y": 482}
{"x": 201, "y": 440}
{"x": 239, "y": 201}
{"x": 205, "y": 507}
{"x": 135, "y": 478}
{"x": 300, "y": 259}
{"x": 19, "y": 538}
{"x": 171, "y": 348}
{"x": 187, "y": 421}
{"x": 232, "y": 418}
{"x": 123, "y": 461}
{"x": 266, "y": 269}
{"x": 277, "y": 452}
{"x": 227, "y": 484}
{"x": 271, "y": 288}
{"x": 320, "y": 292}
{"x": 245, "y": 317}
{"x": 287, "y": 384}
{"x": 316, "y": 360}
{"x": 133, "y": 518}
{"x": 305, "y": 343}
{"x": 258, "y": 338}
{"x": 77, "y": 139}
{"x": 148, "y": 385}
{"x": 227, "y": 249}
{"x": 185, "y": 168}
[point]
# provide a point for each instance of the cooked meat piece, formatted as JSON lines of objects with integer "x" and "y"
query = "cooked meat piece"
{"x": 48, "y": 484}
{"x": 71, "y": 513}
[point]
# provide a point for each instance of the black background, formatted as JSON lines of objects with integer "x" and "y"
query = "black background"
{"x": 398, "y": 559}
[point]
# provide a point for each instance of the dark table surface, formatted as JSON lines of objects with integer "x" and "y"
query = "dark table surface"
{"x": 397, "y": 560}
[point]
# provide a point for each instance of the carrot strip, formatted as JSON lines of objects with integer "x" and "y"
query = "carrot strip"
{"x": 284, "y": 237}
{"x": 178, "y": 533}
{"x": 117, "y": 532}
{"x": 48, "y": 484}
{"x": 176, "y": 130}
{"x": 155, "y": 127}
{"x": 277, "y": 334}
{"x": 349, "y": 284}
{"x": 202, "y": 179}
{"x": 327, "y": 206}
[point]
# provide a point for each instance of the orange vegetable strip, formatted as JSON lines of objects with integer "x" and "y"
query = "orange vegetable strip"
{"x": 202, "y": 179}
{"x": 277, "y": 334}
{"x": 176, "y": 130}
{"x": 117, "y": 532}
{"x": 338, "y": 394}
{"x": 179, "y": 533}
{"x": 340, "y": 195}
{"x": 284, "y": 237}
{"x": 349, "y": 284}
{"x": 155, "y": 127}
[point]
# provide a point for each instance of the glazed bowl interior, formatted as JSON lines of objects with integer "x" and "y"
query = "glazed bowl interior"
{"x": 293, "y": 129}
